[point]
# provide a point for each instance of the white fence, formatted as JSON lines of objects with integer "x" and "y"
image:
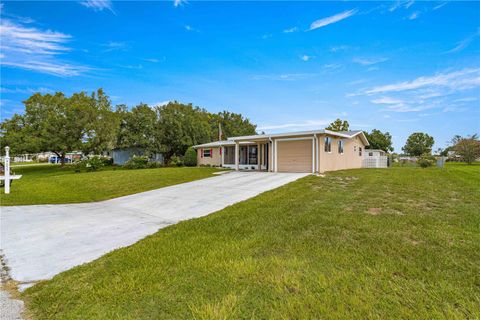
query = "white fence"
{"x": 377, "y": 162}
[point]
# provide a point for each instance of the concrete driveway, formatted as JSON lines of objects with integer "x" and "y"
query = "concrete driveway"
{"x": 41, "y": 241}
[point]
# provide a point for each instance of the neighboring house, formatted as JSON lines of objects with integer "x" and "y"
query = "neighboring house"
{"x": 375, "y": 158}
{"x": 374, "y": 153}
{"x": 307, "y": 151}
{"x": 122, "y": 155}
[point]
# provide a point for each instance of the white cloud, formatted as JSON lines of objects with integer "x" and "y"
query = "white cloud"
{"x": 34, "y": 49}
{"x": 115, "y": 45}
{"x": 285, "y": 76}
{"x": 177, "y": 3}
{"x": 408, "y": 4}
{"x": 307, "y": 124}
{"x": 457, "y": 80}
{"x": 290, "y": 30}
{"x": 339, "y": 48}
{"x": 305, "y": 57}
{"x": 266, "y": 35}
{"x": 56, "y": 69}
{"x": 190, "y": 28}
{"x": 98, "y": 5}
{"x": 440, "y": 5}
{"x": 414, "y": 15}
{"x": 159, "y": 104}
{"x": 26, "y": 90}
{"x": 425, "y": 93}
{"x": 369, "y": 61}
{"x": 465, "y": 42}
{"x": 332, "y": 19}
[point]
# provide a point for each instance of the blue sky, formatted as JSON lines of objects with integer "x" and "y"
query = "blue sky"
{"x": 401, "y": 67}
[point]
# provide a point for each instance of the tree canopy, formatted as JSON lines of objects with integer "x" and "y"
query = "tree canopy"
{"x": 418, "y": 143}
{"x": 468, "y": 148}
{"x": 379, "y": 140}
{"x": 339, "y": 125}
{"x": 61, "y": 124}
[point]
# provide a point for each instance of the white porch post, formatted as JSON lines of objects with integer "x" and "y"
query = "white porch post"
{"x": 222, "y": 149}
{"x": 275, "y": 169}
{"x": 237, "y": 155}
{"x": 7, "y": 170}
{"x": 259, "y": 159}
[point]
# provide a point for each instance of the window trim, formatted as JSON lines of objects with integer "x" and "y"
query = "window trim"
{"x": 328, "y": 142}
{"x": 209, "y": 153}
{"x": 341, "y": 144}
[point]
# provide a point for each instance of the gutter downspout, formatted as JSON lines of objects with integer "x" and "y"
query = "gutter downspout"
{"x": 272, "y": 154}
{"x": 316, "y": 153}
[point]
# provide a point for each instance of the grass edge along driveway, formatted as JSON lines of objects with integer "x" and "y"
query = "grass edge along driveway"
{"x": 51, "y": 184}
{"x": 373, "y": 243}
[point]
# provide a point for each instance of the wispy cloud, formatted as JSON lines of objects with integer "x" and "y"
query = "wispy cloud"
{"x": 155, "y": 60}
{"x": 401, "y": 4}
{"x": 177, "y": 3}
{"x": 26, "y": 90}
{"x": 457, "y": 80}
{"x": 307, "y": 124}
{"x": 285, "y": 76}
{"x": 30, "y": 48}
{"x": 465, "y": 42}
{"x": 426, "y": 92}
{"x": 414, "y": 15}
{"x": 332, "y": 19}
{"x": 266, "y": 36}
{"x": 369, "y": 61}
{"x": 305, "y": 57}
{"x": 440, "y": 5}
{"x": 290, "y": 30}
{"x": 339, "y": 48}
{"x": 98, "y": 5}
{"x": 115, "y": 46}
{"x": 190, "y": 28}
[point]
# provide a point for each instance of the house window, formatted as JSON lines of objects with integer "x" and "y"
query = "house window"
{"x": 328, "y": 144}
{"x": 370, "y": 154}
{"x": 340, "y": 146}
{"x": 252, "y": 155}
{"x": 354, "y": 148}
{"x": 207, "y": 153}
{"x": 360, "y": 151}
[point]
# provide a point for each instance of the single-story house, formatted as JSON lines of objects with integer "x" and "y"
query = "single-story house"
{"x": 307, "y": 151}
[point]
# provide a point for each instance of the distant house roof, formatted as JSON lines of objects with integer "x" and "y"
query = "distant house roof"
{"x": 251, "y": 139}
{"x": 343, "y": 134}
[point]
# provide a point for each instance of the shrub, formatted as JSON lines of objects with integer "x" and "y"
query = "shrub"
{"x": 426, "y": 160}
{"x": 94, "y": 163}
{"x": 176, "y": 161}
{"x": 190, "y": 158}
{"x": 137, "y": 162}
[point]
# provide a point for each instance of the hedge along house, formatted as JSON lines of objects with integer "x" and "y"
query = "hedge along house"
{"x": 307, "y": 151}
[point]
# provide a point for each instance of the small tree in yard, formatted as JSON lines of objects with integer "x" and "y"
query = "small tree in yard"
{"x": 418, "y": 143}
{"x": 190, "y": 158}
{"x": 426, "y": 160}
{"x": 468, "y": 148}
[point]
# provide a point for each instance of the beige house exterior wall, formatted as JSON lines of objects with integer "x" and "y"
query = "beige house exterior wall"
{"x": 215, "y": 160}
{"x": 350, "y": 159}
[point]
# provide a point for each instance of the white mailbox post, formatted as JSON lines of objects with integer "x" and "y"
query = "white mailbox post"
{"x": 7, "y": 177}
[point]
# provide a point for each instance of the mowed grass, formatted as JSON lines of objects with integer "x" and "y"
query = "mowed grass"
{"x": 50, "y": 184}
{"x": 398, "y": 243}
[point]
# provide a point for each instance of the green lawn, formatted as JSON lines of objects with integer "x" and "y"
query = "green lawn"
{"x": 48, "y": 184}
{"x": 398, "y": 243}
